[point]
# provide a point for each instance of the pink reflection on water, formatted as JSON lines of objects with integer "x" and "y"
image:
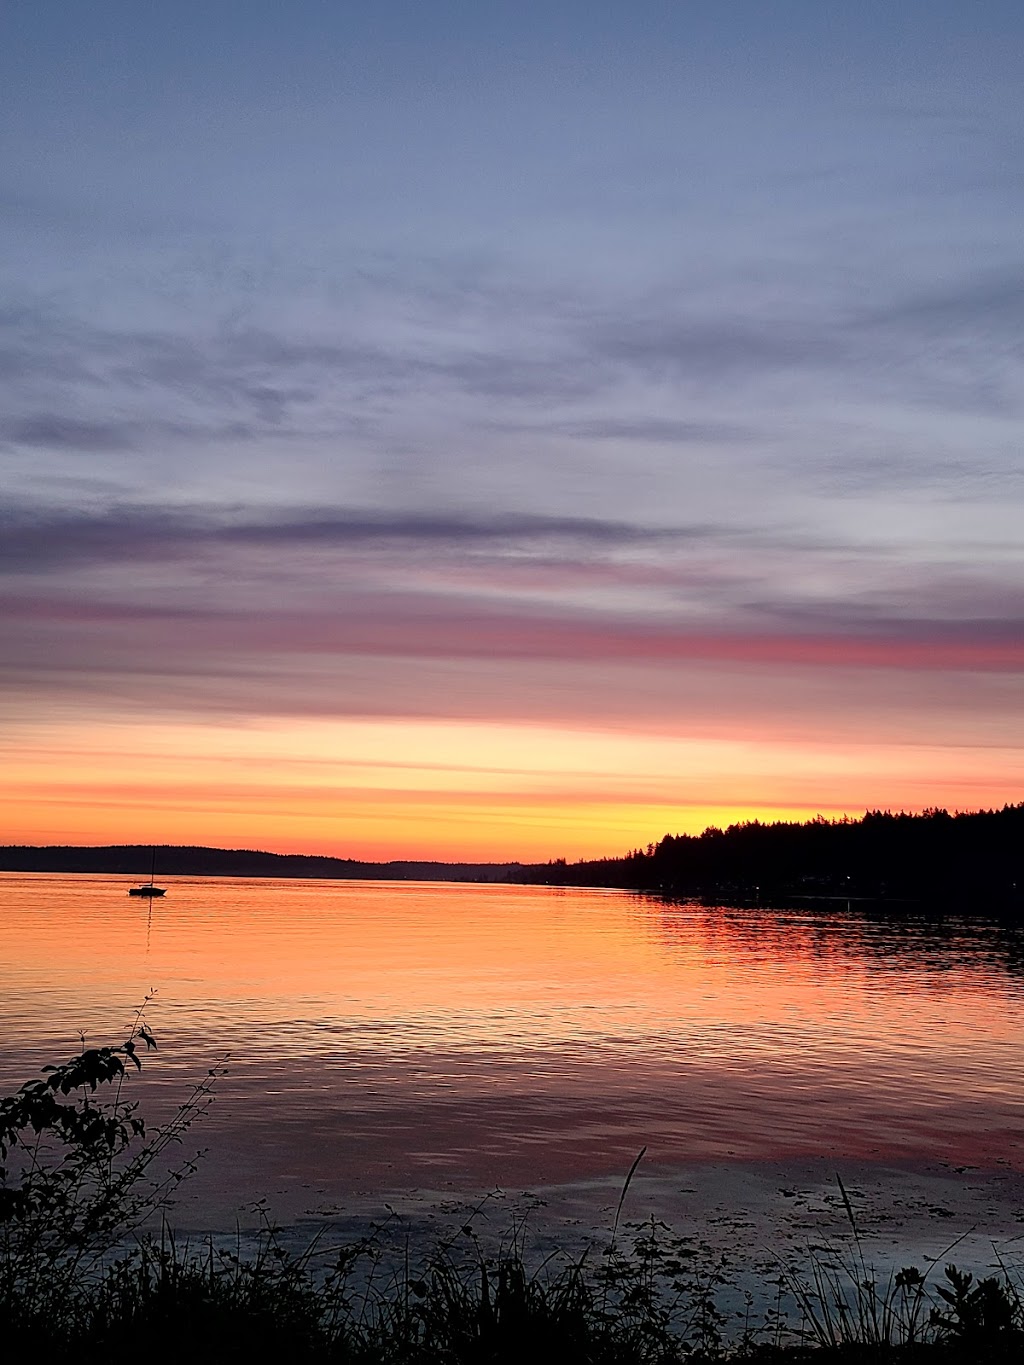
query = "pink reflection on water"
{"x": 393, "y": 1035}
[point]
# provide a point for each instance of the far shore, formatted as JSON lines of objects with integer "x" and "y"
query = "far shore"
{"x": 965, "y": 861}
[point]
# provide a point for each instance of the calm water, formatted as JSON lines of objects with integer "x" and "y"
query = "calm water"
{"x": 389, "y": 1035}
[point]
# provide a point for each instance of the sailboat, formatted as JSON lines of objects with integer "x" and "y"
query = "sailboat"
{"x": 149, "y": 889}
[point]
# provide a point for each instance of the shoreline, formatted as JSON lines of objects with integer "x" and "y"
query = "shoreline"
{"x": 757, "y": 1215}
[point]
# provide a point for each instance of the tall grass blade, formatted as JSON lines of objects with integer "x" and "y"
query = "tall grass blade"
{"x": 625, "y": 1190}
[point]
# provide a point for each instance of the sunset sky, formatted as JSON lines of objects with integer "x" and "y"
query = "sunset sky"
{"x": 496, "y": 430}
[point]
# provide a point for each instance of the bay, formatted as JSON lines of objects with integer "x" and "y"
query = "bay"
{"x": 380, "y": 1037}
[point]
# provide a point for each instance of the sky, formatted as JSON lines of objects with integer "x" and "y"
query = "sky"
{"x": 507, "y": 431}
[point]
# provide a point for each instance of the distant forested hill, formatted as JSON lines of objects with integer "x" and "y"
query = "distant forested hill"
{"x": 974, "y": 858}
{"x": 133, "y": 860}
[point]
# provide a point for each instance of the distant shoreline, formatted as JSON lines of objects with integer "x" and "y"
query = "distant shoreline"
{"x": 972, "y": 861}
{"x": 134, "y": 860}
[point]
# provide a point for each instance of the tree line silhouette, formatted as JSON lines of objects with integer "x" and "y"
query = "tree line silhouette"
{"x": 180, "y": 860}
{"x": 969, "y": 857}
{"x": 975, "y": 858}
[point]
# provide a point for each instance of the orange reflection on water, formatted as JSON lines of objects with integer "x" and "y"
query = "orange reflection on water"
{"x": 404, "y": 1034}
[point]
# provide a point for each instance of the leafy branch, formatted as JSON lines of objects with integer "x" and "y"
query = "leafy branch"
{"x": 78, "y": 1172}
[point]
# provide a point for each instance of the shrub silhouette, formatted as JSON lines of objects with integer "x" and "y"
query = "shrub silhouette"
{"x": 80, "y": 1173}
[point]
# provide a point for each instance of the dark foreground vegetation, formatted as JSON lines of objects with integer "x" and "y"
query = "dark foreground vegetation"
{"x": 82, "y": 1281}
{"x": 975, "y": 859}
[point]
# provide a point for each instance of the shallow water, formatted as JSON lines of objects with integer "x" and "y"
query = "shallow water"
{"x": 399, "y": 1035}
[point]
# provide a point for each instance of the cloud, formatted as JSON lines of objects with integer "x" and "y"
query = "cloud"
{"x": 715, "y": 350}
{"x": 432, "y": 364}
{"x": 984, "y": 304}
{"x": 453, "y": 529}
{"x": 34, "y": 539}
{"x": 357, "y": 618}
{"x": 57, "y": 431}
{"x": 639, "y": 429}
{"x": 954, "y": 346}
{"x": 552, "y": 583}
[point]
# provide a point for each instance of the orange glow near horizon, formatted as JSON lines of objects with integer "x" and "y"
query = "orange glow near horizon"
{"x": 477, "y": 791}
